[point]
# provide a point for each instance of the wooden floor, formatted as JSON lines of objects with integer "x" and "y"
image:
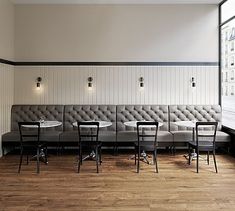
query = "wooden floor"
{"x": 117, "y": 187}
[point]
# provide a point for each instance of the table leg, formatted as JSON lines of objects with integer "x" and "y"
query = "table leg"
{"x": 42, "y": 157}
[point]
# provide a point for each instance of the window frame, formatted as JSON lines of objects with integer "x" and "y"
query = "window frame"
{"x": 221, "y": 24}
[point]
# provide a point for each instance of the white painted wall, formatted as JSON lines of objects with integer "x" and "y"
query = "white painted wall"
{"x": 116, "y": 85}
{"x": 117, "y": 33}
{"x": 142, "y": 33}
{"x": 6, "y": 71}
{"x": 6, "y": 98}
{"x": 7, "y": 29}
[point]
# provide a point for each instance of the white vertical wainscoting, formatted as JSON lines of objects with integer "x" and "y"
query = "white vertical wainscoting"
{"x": 6, "y": 98}
{"x": 116, "y": 85}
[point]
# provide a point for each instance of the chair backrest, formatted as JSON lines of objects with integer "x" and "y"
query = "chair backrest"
{"x": 206, "y": 135}
{"x": 29, "y": 131}
{"x": 151, "y": 136}
{"x": 88, "y": 131}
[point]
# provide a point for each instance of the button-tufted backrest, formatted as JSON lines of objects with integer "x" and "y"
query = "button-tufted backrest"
{"x": 127, "y": 113}
{"x": 73, "y": 113}
{"x": 193, "y": 112}
{"x": 21, "y": 113}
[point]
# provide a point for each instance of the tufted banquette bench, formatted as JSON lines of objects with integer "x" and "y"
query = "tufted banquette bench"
{"x": 199, "y": 113}
{"x": 168, "y": 135}
{"x": 34, "y": 113}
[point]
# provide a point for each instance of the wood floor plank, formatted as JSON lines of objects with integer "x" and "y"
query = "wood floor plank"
{"x": 117, "y": 187}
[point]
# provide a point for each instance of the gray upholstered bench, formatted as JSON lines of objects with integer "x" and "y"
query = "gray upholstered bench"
{"x": 199, "y": 113}
{"x": 168, "y": 135}
{"x": 157, "y": 113}
{"x": 74, "y": 113}
{"x": 33, "y": 113}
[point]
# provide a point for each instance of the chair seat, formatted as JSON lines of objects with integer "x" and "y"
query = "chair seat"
{"x": 162, "y": 136}
{"x": 14, "y": 136}
{"x": 72, "y": 136}
{"x": 145, "y": 145}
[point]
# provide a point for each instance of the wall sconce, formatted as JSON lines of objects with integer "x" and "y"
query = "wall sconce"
{"x": 38, "y": 84}
{"x": 141, "y": 80}
{"x": 90, "y": 79}
{"x": 193, "y": 82}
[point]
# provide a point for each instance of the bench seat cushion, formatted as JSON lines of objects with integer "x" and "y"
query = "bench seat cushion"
{"x": 162, "y": 136}
{"x": 131, "y": 136}
{"x": 126, "y": 136}
{"x": 14, "y": 136}
{"x": 72, "y": 136}
{"x": 185, "y": 136}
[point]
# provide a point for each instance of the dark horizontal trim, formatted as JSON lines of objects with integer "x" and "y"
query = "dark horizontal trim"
{"x": 227, "y": 21}
{"x": 116, "y": 63}
{"x": 109, "y": 63}
{"x": 4, "y": 61}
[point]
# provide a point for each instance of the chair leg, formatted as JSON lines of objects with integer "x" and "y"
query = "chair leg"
{"x": 115, "y": 148}
{"x": 27, "y": 158}
{"x": 100, "y": 157}
{"x": 3, "y": 151}
{"x": 80, "y": 154}
{"x": 138, "y": 162}
{"x": 173, "y": 149}
{"x": 215, "y": 162}
{"x": 80, "y": 158}
{"x": 79, "y": 163}
{"x": 97, "y": 159}
{"x": 38, "y": 153}
{"x": 208, "y": 157}
{"x": 58, "y": 148}
{"x": 197, "y": 159}
{"x": 21, "y": 158}
{"x": 155, "y": 156}
{"x": 135, "y": 155}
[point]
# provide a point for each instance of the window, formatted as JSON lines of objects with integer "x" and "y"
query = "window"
{"x": 232, "y": 75}
{"x": 227, "y": 50}
{"x": 227, "y": 10}
{"x": 232, "y": 61}
{"x": 232, "y": 46}
{"x": 232, "y": 90}
{"x": 226, "y": 63}
{"x": 232, "y": 34}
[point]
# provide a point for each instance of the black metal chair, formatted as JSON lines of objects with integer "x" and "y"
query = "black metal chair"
{"x": 29, "y": 140}
{"x": 146, "y": 141}
{"x": 88, "y": 138}
{"x": 205, "y": 141}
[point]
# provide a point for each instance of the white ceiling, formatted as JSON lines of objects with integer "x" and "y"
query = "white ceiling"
{"x": 116, "y": 1}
